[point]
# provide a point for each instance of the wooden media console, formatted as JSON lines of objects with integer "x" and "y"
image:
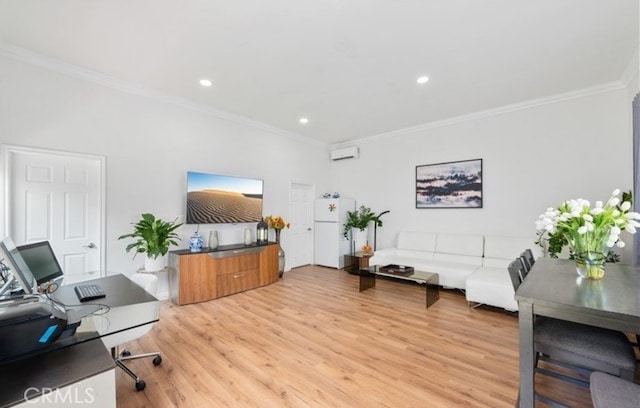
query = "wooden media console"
{"x": 228, "y": 269}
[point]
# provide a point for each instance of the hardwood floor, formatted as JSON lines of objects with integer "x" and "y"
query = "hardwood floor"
{"x": 312, "y": 340}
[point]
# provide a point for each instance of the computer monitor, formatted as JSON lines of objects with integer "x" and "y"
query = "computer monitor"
{"x": 19, "y": 269}
{"x": 41, "y": 260}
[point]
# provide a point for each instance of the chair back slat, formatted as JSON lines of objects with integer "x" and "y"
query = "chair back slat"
{"x": 516, "y": 273}
{"x": 527, "y": 261}
{"x": 529, "y": 254}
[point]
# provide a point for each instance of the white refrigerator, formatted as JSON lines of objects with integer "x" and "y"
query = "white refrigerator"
{"x": 330, "y": 246}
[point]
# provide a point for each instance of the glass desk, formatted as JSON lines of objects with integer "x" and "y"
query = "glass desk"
{"x": 125, "y": 307}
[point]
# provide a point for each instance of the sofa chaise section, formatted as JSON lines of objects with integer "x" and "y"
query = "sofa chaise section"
{"x": 491, "y": 285}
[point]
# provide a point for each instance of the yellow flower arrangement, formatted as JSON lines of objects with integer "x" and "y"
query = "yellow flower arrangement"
{"x": 276, "y": 222}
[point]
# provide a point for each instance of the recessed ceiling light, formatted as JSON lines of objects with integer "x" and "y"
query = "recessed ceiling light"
{"x": 422, "y": 80}
{"x": 304, "y": 121}
{"x": 205, "y": 82}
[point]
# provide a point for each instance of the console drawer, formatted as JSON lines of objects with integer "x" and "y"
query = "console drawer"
{"x": 240, "y": 281}
{"x": 236, "y": 264}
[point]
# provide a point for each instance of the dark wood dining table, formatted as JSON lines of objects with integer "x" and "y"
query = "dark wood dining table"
{"x": 552, "y": 288}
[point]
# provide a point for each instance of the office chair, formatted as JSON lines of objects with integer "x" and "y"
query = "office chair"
{"x": 578, "y": 347}
{"x": 608, "y": 391}
{"x": 148, "y": 282}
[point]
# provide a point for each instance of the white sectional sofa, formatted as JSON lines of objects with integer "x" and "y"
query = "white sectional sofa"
{"x": 476, "y": 264}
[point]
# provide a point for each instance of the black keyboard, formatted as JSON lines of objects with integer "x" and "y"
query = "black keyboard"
{"x": 89, "y": 292}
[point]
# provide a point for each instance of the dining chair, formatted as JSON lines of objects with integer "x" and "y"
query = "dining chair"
{"x": 527, "y": 261}
{"x": 608, "y": 391}
{"x": 580, "y": 348}
{"x": 149, "y": 282}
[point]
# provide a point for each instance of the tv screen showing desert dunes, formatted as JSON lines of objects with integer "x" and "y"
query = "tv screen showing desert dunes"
{"x": 217, "y": 199}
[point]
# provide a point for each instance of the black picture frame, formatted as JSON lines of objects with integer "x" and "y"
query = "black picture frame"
{"x": 455, "y": 184}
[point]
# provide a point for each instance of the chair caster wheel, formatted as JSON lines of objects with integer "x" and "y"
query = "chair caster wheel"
{"x": 140, "y": 385}
{"x": 125, "y": 353}
{"x": 157, "y": 361}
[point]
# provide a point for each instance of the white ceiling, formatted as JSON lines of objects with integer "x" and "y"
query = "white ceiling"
{"x": 350, "y": 66}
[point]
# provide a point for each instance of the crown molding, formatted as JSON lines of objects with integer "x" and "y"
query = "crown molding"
{"x": 612, "y": 86}
{"x": 33, "y": 58}
{"x": 30, "y": 57}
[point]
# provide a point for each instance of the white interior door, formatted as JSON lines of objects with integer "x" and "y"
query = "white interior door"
{"x": 57, "y": 197}
{"x": 300, "y": 250}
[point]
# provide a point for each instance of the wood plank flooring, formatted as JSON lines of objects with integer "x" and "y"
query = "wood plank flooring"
{"x": 312, "y": 340}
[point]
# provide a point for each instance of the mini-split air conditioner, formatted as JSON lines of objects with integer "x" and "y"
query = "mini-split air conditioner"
{"x": 350, "y": 152}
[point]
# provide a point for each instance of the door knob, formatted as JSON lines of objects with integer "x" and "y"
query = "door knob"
{"x": 309, "y": 229}
{"x": 91, "y": 245}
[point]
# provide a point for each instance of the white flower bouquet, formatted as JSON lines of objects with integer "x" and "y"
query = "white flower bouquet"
{"x": 589, "y": 232}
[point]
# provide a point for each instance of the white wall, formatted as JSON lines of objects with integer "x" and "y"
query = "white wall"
{"x": 149, "y": 146}
{"x": 532, "y": 159}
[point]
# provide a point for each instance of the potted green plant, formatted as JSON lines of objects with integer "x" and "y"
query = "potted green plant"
{"x": 358, "y": 221}
{"x": 153, "y": 237}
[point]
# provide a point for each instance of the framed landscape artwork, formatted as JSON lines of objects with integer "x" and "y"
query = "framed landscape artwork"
{"x": 449, "y": 185}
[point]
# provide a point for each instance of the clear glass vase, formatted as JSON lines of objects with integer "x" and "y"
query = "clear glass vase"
{"x": 590, "y": 265}
{"x": 590, "y": 252}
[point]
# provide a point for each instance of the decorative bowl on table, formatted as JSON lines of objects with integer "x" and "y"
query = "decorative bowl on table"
{"x": 397, "y": 269}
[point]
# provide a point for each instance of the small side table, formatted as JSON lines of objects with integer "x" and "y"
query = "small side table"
{"x": 359, "y": 260}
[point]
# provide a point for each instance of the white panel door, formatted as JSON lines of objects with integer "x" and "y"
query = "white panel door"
{"x": 58, "y": 197}
{"x": 301, "y": 219}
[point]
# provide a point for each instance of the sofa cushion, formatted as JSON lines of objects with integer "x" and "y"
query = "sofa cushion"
{"x": 417, "y": 241}
{"x": 416, "y": 263}
{"x": 459, "y": 244}
{"x": 402, "y": 253}
{"x": 491, "y": 286}
{"x": 497, "y": 262}
{"x": 385, "y": 252}
{"x": 506, "y": 247}
{"x": 451, "y": 274}
{"x": 458, "y": 259}
{"x": 380, "y": 256}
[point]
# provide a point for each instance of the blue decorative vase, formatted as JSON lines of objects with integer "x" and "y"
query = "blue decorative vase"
{"x": 196, "y": 242}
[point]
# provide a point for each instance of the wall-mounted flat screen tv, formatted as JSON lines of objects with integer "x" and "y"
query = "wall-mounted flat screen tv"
{"x": 217, "y": 199}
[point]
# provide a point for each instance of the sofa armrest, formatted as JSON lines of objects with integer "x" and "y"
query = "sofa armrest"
{"x": 379, "y": 256}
